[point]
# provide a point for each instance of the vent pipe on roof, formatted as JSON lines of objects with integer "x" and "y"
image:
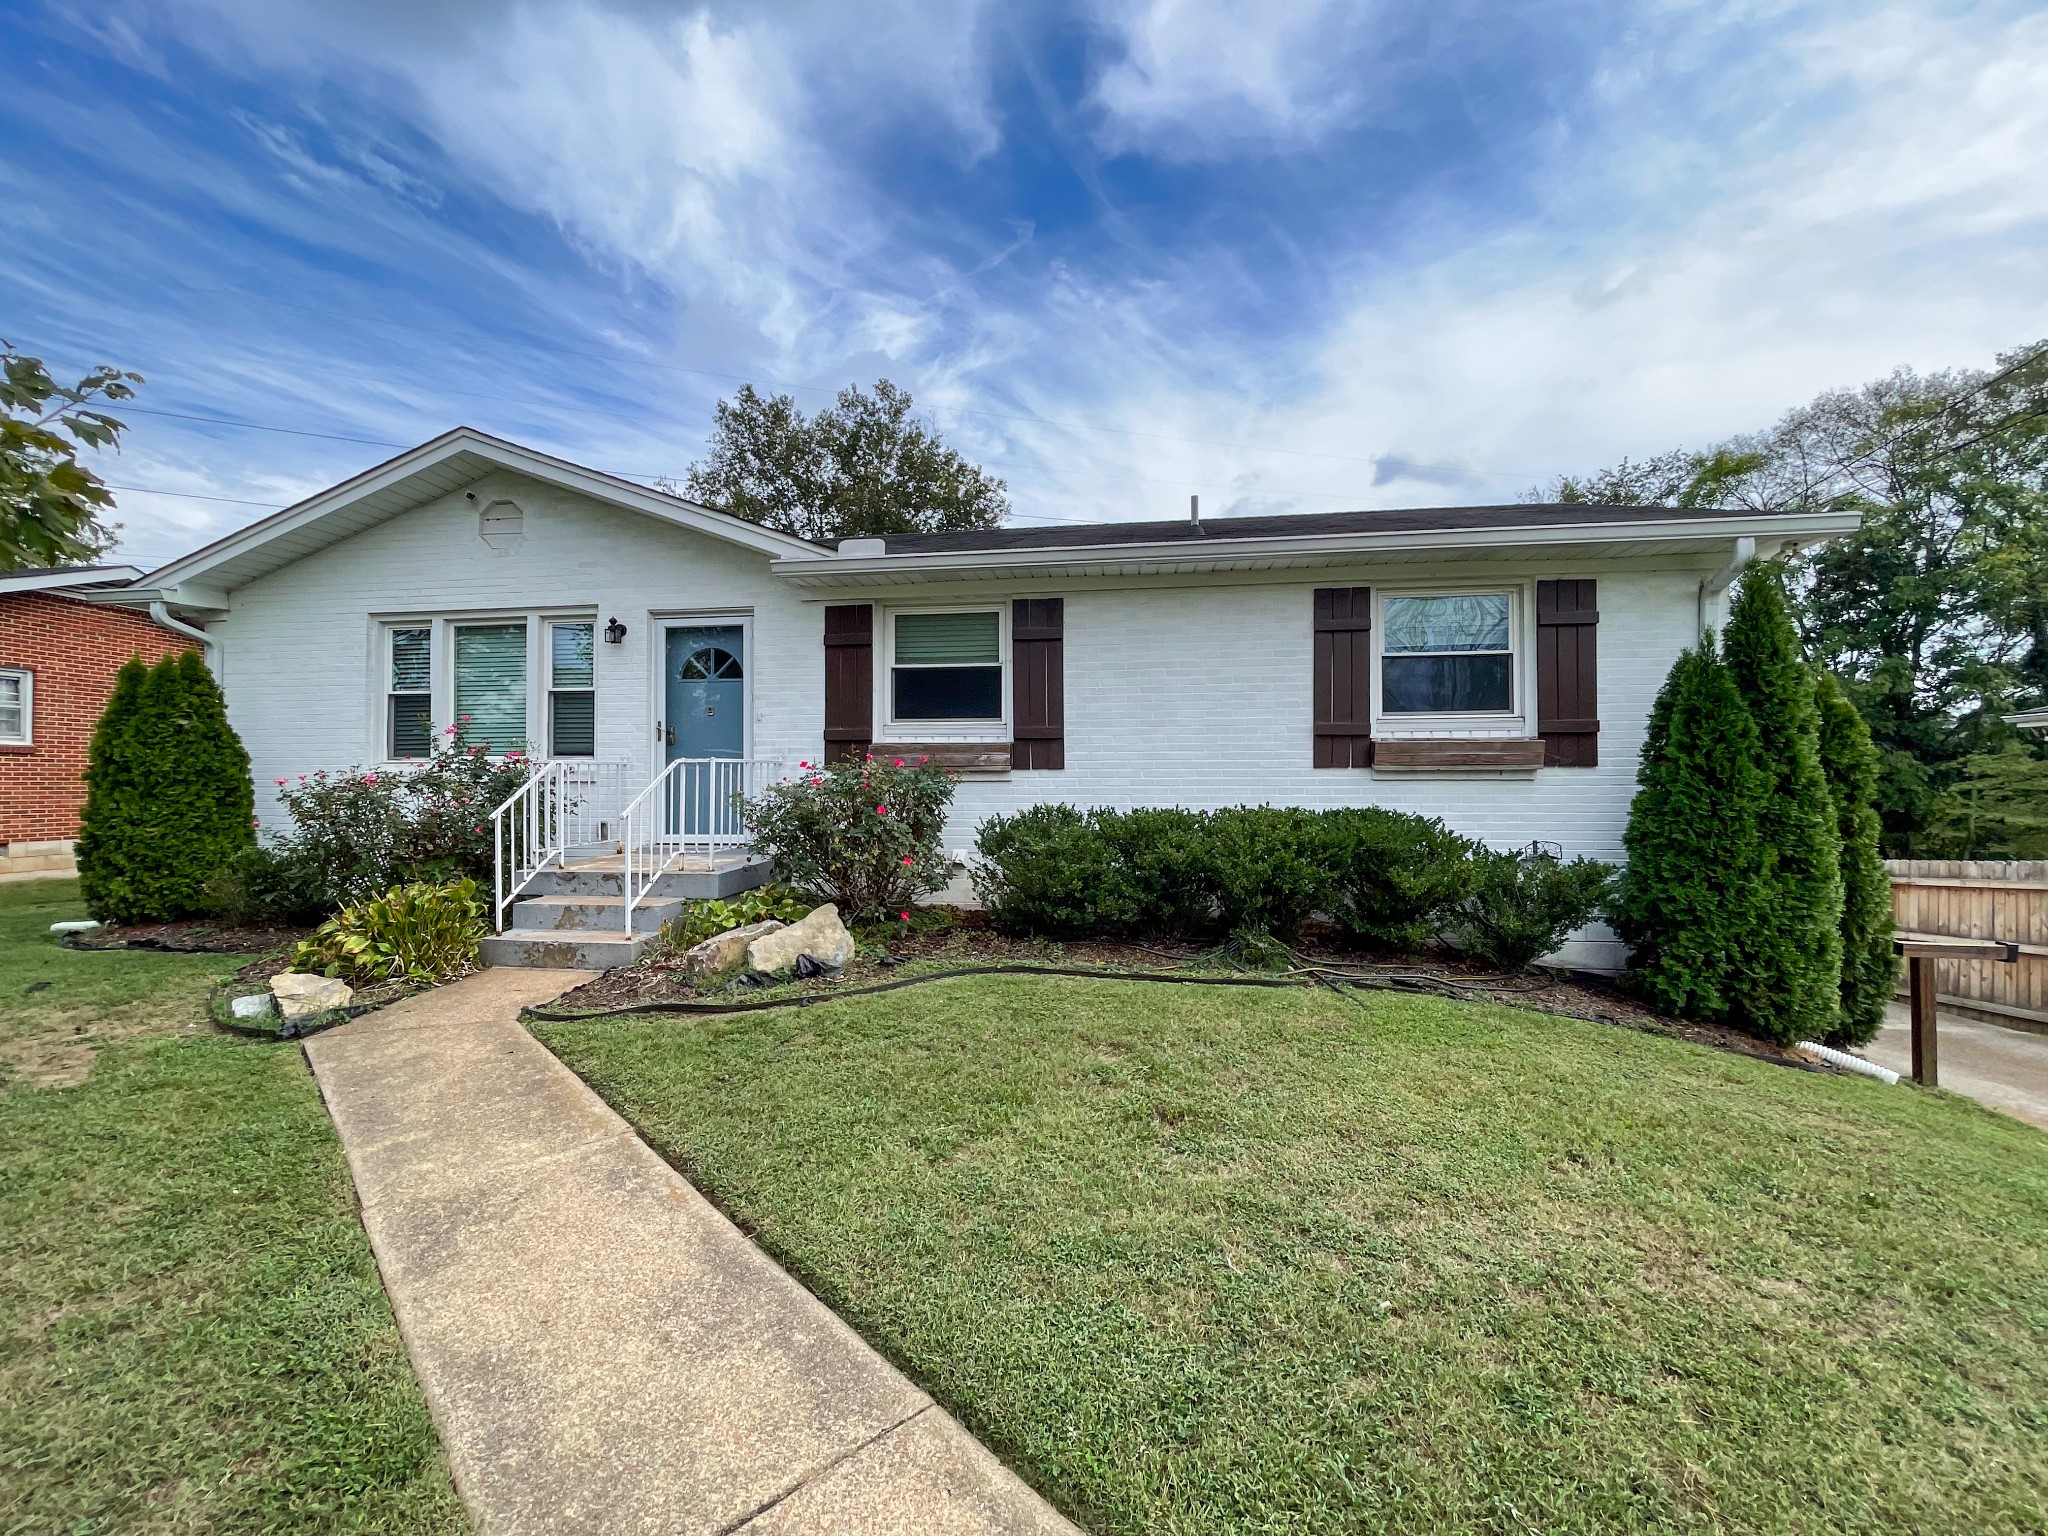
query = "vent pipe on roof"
{"x": 1195, "y": 512}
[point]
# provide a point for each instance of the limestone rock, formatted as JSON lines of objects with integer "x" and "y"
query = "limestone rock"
{"x": 726, "y": 952}
{"x": 257, "y": 1005}
{"x": 301, "y": 997}
{"x": 821, "y": 936}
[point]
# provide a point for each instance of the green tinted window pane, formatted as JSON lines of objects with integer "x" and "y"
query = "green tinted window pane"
{"x": 412, "y": 726}
{"x": 411, "y": 651}
{"x": 574, "y": 655}
{"x": 490, "y": 686}
{"x": 573, "y": 732}
{"x": 948, "y": 640}
{"x": 1423, "y": 624}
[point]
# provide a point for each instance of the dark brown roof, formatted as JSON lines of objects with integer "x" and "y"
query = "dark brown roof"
{"x": 1295, "y": 525}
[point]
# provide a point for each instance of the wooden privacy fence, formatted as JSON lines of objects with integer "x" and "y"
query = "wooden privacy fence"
{"x": 1980, "y": 899}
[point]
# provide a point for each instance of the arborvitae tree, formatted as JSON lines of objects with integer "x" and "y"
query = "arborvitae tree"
{"x": 1869, "y": 969}
{"x": 168, "y": 798}
{"x": 1687, "y": 898}
{"x": 110, "y": 828}
{"x": 1794, "y": 958}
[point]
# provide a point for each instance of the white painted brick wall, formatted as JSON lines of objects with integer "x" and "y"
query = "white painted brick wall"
{"x": 1175, "y": 694}
{"x": 297, "y": 647}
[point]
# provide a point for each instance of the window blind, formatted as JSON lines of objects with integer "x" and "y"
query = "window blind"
{"x": 948, "y": 640}
{"x": 490, "y": 686}
{"x": 572, "y": 663}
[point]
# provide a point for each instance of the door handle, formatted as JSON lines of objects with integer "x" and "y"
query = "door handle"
{"x": 671, "y": 735}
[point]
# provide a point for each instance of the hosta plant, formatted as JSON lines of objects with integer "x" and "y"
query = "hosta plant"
{"x": 423, "y": 933}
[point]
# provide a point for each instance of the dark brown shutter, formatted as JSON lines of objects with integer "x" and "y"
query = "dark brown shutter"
{"x": 849, "y": 680}
{"x": 1567, "y": 673}
{"x": 1343, "y": 677}
{"x": 1037, "y": 667}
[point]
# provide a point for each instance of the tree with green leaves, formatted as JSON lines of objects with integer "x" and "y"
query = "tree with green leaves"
{"x": 1997, "y": 807}
{"x": 168, "y": 798}
{"x": 1794, "y": 959}
{"x": 863, "y": 466}
{"x": 50, "y": 504}
{"x": 1934, "y": 615}
{"x": 1869, "y": 969}
{"x": 1687, "y": 900}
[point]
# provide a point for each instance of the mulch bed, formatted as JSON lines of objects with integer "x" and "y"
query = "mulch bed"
{"x": 194, "y": 936}
{"x": 969, "y": 940}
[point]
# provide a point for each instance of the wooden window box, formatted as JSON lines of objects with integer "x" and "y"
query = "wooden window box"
{"x": 1449, "y": 752}
{"x": 957, "y": 756}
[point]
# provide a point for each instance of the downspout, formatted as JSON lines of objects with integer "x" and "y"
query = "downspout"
{"x": 1716, "y": 584}
{"x": 208, "y": 646}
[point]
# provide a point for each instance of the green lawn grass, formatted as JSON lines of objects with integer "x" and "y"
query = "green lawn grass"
{"x": 1199, "y": 1260}
{"x": 192, "y": 1333}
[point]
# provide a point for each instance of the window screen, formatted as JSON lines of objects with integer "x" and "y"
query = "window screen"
{"x": 490, "y": 686}
{"x": 572, "y": 695}
{"x": 1446, "y": 655}
{"x": 947, "y": 666}
{"x": 411, "y": 716}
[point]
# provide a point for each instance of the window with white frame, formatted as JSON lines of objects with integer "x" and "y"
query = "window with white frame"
{"x": 572, "y": 689}
{"x": 409, "y": 692}
{"x": 946, "y": 669}
{"x": 17, "y": 706}
{"x": 1447, "y": 655}
{"x": 490, "y": 686}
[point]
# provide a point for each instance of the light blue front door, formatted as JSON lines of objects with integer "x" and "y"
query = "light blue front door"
{"x": 706, "y": 698}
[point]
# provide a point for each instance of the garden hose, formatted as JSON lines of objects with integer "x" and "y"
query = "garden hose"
{"x": 1411, "y": 981}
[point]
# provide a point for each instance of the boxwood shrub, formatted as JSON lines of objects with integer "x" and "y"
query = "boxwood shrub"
{"x": 1255, "y": 872}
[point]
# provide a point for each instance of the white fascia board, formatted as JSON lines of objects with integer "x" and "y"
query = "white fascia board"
{"x": 1803, "y": 527}
{"x": 527, "y": 461}
{"x": 59, "y": 579}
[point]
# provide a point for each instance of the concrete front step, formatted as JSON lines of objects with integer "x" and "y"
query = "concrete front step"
{"x": 606, "y": 877}
{"x": 573, "y": 918}
{"x": 540, "y": 951}
{"x": 592, "y": 914}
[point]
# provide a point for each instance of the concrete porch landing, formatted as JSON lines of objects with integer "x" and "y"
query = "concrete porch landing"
{"x": 601, "y": 1350}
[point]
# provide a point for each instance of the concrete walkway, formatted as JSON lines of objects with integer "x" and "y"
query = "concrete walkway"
{"x": 601, "y": 1350}
{"x": 2006, "y": 1069}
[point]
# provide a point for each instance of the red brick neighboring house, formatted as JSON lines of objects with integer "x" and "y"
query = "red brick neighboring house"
{"x": 63, "y": 636}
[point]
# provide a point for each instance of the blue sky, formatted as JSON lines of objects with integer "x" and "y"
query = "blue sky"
{"x": 1291, "y": 255}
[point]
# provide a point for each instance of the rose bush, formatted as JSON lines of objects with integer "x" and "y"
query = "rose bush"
{"x": 358, "y": 832}
{"x": 863, "y": 833}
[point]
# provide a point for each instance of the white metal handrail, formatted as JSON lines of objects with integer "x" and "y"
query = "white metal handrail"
{"x": 695, "y": 805}
{"x": 566, "y": 802}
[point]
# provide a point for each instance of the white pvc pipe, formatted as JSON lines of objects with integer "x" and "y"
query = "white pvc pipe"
{"x": 1849, "y": 1063}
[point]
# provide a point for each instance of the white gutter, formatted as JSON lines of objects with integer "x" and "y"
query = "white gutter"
{"x": 1716, "y": 584}
{"x": 1217, "y": 548}
{"x": 208, "y": 646}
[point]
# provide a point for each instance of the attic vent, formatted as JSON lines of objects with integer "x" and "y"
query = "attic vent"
{"x": 501, "y": 520}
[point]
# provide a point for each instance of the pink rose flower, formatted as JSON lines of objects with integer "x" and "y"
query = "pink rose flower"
{"x": 922, "y": 761}
{"x": 908, "y": 859}
{"x": 904, "y": 915}
{"x": 881, "y": 810}
{"x": 369, "y": 778}
{"x": 899, "y": 762}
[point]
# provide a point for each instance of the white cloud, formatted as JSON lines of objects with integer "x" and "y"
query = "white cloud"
{"x": 1194, "y": 76}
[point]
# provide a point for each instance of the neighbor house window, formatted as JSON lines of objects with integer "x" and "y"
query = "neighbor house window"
{"x": 17, "y": 706}
{"x": 946, "y": 666}
{"x": 1447, "y": 655}
{"x": 410, "y": 713}
{"x": 572, "y": 696}
{"x": 490, "y": 686}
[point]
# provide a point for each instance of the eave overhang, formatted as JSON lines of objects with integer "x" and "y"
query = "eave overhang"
{"x": 1691, "y": 535}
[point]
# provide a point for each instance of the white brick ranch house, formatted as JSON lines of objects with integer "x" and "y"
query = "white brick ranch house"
{"x": 1493, "y": 666}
